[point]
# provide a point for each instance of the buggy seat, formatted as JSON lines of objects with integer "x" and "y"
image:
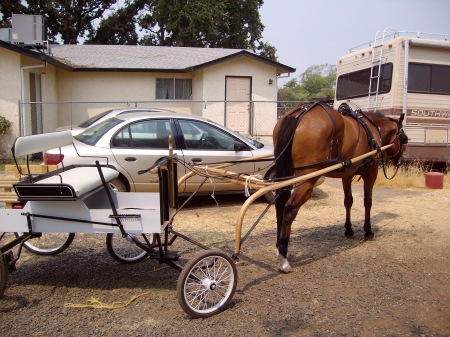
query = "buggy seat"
{"x": 67, "y": 183}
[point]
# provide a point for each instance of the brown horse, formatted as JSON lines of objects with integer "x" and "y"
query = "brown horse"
{"x": 310, "y": 138}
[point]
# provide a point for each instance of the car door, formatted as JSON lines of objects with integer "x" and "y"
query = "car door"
{"x": 138, "y": 146}
{"x": 207, "y": 144}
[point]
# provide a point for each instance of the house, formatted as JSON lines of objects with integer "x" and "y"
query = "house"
{"x": 59, "y": 84}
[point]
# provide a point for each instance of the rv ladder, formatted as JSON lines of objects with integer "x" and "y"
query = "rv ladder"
{"x": 375, "y": 69}
{"x": 375, "y": 73}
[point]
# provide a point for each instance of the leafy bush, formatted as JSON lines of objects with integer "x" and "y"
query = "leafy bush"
{"x": 4, "y": 125}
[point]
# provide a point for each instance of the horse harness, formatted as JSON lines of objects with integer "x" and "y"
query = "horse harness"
{"x": 356, "y": 114}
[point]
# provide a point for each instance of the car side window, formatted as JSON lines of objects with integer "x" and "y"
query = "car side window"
{"x": 202, "y": 136}
{"x": 149, "y": 134}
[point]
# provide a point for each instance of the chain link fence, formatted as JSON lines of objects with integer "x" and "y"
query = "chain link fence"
{"x": 254, "y": 118}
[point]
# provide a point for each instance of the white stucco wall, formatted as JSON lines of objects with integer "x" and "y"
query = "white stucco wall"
{"x": 9, "y": 96}
{"x": 265, "y": 116}
{"x": 12, "y": 67}
{"x": 109, "y": 87}
{"x": 62, "y": 92}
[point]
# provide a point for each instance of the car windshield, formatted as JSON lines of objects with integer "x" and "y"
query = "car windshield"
{"x": 91, "y": 135}
{"x": 92, "y": 120}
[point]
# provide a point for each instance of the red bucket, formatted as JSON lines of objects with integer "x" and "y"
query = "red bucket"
{"x": 434, "y": 180}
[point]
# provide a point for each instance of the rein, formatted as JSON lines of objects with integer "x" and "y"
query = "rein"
{"x": 399, "y": 144}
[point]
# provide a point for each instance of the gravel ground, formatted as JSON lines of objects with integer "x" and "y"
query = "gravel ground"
{"x": 395, "y": 285}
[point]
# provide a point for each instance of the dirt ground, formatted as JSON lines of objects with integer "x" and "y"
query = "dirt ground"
{"x": 395, "y": 285}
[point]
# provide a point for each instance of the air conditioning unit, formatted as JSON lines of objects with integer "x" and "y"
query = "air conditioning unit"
{"x": 28, "y": 29}
{"x": 5, "y": 34}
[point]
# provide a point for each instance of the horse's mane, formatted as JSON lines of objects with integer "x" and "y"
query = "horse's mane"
{"x": 283, "y": 148}
{"x": 380, "y": 114}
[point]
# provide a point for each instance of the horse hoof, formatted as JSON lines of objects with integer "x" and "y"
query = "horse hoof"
{"x": 369, "y": 236}
{"x": 283, "y": 265}
{"x": 348, "y": 234}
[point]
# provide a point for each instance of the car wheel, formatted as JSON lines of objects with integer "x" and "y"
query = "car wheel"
{"x": 117, "y": 185}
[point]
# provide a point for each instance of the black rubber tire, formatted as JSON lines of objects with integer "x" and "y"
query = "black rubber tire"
{"x": 3, "y": 275}
{"x": 124, "y": 250}
{"x": 208, "y": 280}
{"x": 117, "y": 185}
{"x": 46, "y": 245}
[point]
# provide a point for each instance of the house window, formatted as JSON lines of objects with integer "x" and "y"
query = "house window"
{"x": 356, "y": 84}
{"x": 173, "y": 88}
{"x": 428, "y": 78}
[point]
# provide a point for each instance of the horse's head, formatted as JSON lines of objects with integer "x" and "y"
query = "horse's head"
{"x": 394, "y": 134}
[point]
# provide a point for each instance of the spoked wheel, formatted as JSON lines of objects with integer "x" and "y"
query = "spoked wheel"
{"x": 125, "y": 250}
{"x": 207, "y": 284}
{"x": 3, "y": 274}
{"x": 48, "y": 243}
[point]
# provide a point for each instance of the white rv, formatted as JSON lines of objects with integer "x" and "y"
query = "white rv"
{"x": 403, "y": 72}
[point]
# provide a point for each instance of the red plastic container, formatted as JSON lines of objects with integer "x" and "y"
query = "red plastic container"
{"x": 434, "y": 180}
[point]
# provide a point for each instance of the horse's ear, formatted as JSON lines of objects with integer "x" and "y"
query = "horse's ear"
{"x": 400, "y": 120}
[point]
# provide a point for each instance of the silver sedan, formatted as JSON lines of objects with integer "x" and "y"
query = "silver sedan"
{"x": 133, "y": 142}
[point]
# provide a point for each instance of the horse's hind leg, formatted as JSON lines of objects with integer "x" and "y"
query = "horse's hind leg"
{"x": 282, "y": 199}
{"x": 299, "y": 196}
{"x": 280, "y": 204}
{"x": 369, "y": 178}
{"x": 348, "y": 203}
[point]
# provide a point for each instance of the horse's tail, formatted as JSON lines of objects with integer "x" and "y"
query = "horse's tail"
{"x": 283, "y": 148}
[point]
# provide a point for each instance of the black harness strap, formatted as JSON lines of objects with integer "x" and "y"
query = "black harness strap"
{"x": 334, "y": 139}
{"x": 370, "y": 137}
{"x": 358, "y": 116}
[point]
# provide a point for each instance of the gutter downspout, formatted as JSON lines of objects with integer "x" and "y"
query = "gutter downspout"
{"x": 22, "y": 96}
{"x": 405, "y": 83}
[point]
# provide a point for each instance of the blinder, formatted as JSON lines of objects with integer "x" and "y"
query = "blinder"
{"x": 401, "y": 139}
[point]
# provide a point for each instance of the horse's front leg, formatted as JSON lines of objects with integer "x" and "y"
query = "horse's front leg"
{"x": 348, "y": 203}
{"x": 298, "y": 197}
{"x": 282, "y": 198}
{"x": 369, "y": 178}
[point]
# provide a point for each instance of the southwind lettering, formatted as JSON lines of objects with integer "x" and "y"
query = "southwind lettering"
{"x": 430, "y": 113}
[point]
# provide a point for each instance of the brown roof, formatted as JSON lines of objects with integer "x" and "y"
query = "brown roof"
{"x": 139, "y": 58}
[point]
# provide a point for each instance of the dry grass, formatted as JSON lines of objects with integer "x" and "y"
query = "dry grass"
{"x": 409, "y": 176}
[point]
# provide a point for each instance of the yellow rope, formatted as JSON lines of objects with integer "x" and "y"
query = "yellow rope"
{"x": 97, "y": 304}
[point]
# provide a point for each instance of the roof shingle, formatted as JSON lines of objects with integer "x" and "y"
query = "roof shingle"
{"x": 137, "y": 57}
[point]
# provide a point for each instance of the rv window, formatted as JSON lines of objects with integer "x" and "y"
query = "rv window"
{"x": 428, "y": 78}
{"x": 356, "y": 84}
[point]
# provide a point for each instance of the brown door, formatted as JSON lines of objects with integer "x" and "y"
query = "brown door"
{"x": 237, "y": 114}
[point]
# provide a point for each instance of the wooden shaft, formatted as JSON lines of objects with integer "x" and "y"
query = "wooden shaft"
{"x": 219, "y": 166}
{"x": 276, "y": 186}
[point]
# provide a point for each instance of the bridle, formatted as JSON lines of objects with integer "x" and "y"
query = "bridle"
{"x": 400, "y": 140}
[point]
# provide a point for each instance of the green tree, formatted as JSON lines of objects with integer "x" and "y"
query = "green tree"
{"x": 268, "y": 51}
{"x": 203, "y": 23}
{"x": 316, "y": 82}
{"x": 199, "y": 23}
{"x": 182, "y": 23}
{"x": 69, "y": 19}
{"x": 119, "y": 28}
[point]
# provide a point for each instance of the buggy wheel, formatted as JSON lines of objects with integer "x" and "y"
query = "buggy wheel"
{"x": 48, "y": 243}
{"x": 207, "y": 284}
{"x": 3, "y": 274}
{"x": 125, "y": 250}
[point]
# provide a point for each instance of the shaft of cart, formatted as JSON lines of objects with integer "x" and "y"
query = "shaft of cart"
{"x": 263, "y": 186}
